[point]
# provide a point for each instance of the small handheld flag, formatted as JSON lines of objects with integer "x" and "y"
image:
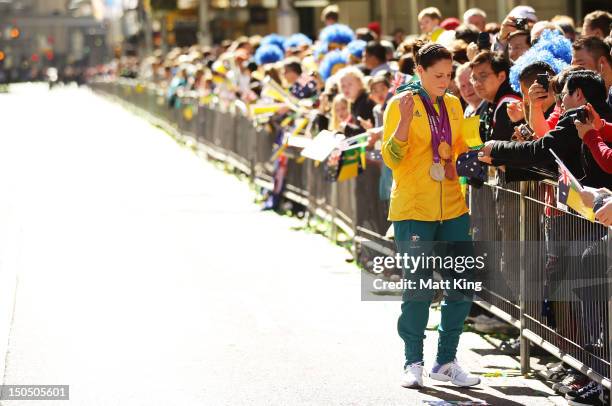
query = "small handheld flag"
{"x": 569, "y": 191}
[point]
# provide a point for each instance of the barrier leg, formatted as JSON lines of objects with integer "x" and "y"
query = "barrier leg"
{"x": 524, "y": 343}
{"x": 334, "y": 208}
{"x": 609, "y": 293}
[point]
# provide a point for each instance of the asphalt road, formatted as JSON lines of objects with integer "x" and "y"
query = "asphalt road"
{"x": 139, "y": 274}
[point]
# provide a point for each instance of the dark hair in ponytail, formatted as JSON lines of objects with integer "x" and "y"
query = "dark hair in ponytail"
{"x": 428, "y": 53}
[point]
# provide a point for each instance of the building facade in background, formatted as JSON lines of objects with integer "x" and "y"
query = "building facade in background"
{"x": 36, "y": 34}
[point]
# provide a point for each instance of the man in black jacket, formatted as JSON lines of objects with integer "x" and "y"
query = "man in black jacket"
{"x": 581, "y": 87}
{"x": 490, "y": 71}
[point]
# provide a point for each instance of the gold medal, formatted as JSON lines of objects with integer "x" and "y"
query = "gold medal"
{"x": 450, "y": 172}
{"x": 444, "y": 150}
{"x": 436, "y": 171}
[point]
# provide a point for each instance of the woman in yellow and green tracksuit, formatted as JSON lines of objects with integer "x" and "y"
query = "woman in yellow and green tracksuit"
{"x": 423, "y": 133}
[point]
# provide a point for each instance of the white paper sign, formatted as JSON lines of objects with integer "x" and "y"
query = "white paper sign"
{"x": 322, "y": 145}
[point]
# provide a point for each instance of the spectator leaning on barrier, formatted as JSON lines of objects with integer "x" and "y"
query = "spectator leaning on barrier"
{"x": 581, "y": 87}
{"x": 427, "y": 204}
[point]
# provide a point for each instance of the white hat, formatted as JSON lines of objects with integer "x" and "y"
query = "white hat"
{"x": 524, "y": 12}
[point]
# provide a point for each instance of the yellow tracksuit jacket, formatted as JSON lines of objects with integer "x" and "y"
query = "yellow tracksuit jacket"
{"x": 414, "y": 194}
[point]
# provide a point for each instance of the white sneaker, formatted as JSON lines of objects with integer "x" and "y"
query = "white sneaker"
{"x": 413, "y": 376}
{"x": 452, "y": 372}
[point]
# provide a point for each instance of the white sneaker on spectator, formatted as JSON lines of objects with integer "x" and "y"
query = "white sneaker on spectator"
{"x": 413, "y": 376}
{"x": 452, "y": 372}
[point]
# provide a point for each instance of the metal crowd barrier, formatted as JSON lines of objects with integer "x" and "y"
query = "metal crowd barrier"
{"x": 503, "y": 213}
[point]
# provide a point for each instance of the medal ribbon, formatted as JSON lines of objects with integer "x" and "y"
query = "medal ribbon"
{"x": 439, "y": 124}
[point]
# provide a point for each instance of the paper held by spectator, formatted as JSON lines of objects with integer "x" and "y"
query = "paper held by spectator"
{"x": 298, "y": 141}
{"x": 322, "y": 145}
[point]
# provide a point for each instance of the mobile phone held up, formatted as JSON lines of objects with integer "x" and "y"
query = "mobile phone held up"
{"x": 542, "y": 80}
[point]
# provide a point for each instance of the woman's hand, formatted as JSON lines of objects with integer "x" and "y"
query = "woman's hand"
{"x": 406, "y": 107}
{"x": 406, "y": 110}
{"x": 515, "y": 111}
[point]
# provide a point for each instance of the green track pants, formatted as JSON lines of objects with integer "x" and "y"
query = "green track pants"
{"x": 416, "y": 238}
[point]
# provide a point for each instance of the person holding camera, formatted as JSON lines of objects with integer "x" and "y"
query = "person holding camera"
{"x": 581, "y": 87}
{"x": 542, "y": 95}
{"x": 520, "y": 18}
{"x": 596, "y": 134}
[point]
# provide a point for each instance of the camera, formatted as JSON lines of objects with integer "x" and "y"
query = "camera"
{"x": 526, "y": 133}
{"x": 484, "y": 41}
{"x": 581, "y": 115}
{"x": 542, "y": 80}
{"x": 521, "y": 24}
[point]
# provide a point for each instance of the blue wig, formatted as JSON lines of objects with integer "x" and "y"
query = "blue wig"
{"x": 555, "y": 43}
{"x": 297, "y": 40}
{"x": 268, "y": 54}
{"x": 320, "y": 49}
{"x": 274, "y": 39}
{"x": 338, "y": 33}
{"x": 552, "y": 48}
{"x": 330, "y": 60}
{"x": 356, "y": 48}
